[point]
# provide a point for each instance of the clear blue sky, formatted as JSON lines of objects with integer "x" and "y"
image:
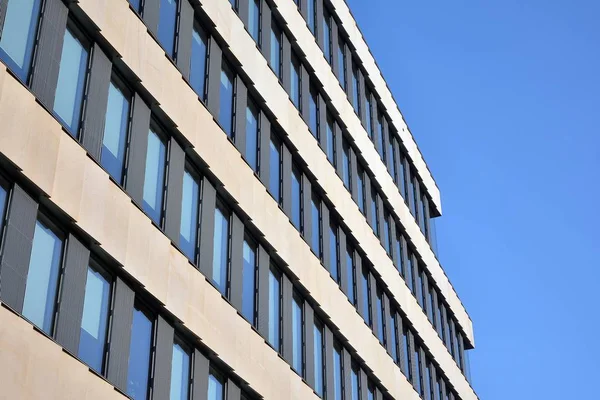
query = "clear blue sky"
{"x": 503, "y": 98}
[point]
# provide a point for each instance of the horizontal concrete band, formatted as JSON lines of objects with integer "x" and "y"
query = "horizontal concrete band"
{"x": 34, "y": 141}
{"x": 231, "y": 28}
{"x": 34, "y": 367}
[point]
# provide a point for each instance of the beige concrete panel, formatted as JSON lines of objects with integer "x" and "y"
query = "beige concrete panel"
{"x": 34, "y": 367}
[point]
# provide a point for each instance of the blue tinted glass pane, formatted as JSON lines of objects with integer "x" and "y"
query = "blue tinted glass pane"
{"x": 115, "y": 133}
{"x": 233, "y": 3}
{"x": 318, "y": 361}
{"x": 297, "y": 336}
{"x": 226, "y": 101}
{"x": 315, "y": 242}
{"x": 136, "y": 4}
{"x": 220, "y": 250}
{"x": 342, "y": 64}
{"x": 350, "y": 273}
{"x": 180, "y": 374}
{"x": 337, "y": 374}
{"x": 313, "y": 113}
{"x": 254, "y": 19}
{"x": 330, "y": 143}
{"x": 166, "y": 25}
{"x": 327, "y": 38}
{"x": 139, "y": 356}
{"x": 18, "y": 35}
{"x": 71, "y": 82}
{"x": 380, "y": 318}
{"x": 42, "y": 278}
{"x": 333, "y": 251}
{"x": 354, "y": 384}
{"x": 198, "y": 61}
{"x": 310, "y": 10}
{"x": 252, "y": 136}
{"x": 275, "y": 169}
{"x": 248, "y": 281}
{"x": 3, "y": 197}
{"x": 154, "y": 177}
{"x": 215, "y": 388}
{"x": 188, "y": 229}
{"x": 370, "y": 394}
{"x": 394, "y": 338}
{"x": 274, "y": 309}
{"x": 296, "y": 198}
{"x": 295, "y": 83}
{"x": 276, "y": 51}
{"x": 365, "y": 290}
{"x": 92, "y": 338}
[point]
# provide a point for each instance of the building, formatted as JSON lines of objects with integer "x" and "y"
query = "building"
{"x": 206, "y": 200}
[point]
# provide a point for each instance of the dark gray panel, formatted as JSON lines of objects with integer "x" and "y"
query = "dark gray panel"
{"x": 214, "y": 77}
{"x": 152, "y": 15}
{"x": 3, "y": 7}
{"x": 319, "y": 23}
{"x": 237, "y": 243}
{"x": 427, "y": 217}
{"x": 325, "y": 221}
{"x": 287, "y": 181}
{"x": 354, "y": 177}
{"x": 339, "y": 150}
{"x": 375, "y": 311}
{"x": 381, "y": 222}
{"x": 378, "y": 394}
{"x": 307, "y": 196}
{"x": 419, "y": 211}
{"x": 404, "y": 256}
{"x": 263, "y": 292}
{"x": 363, "y": 105}
{"x": 305, "y": 93}
{"x": 368, "y": 213}
{"x": 364, "y": 386}
{"x": 233, "y": 391}
{"x": 184, "y": 40}
{"x": 243, "y": 11}
{"x": 265, "y": 22}
{"x": 70, "y": 309}
{"x": 398, "y": 160}
{"x": 334, "y": 47}
{"x": 163, "y": 359}
{"x": 97, "y": 100}
{"x": 428, "y": 305}
{"x": 359, "y": 288}
{"x": 406, "y": 178}
{"x": 386, "y": 144}
{"x": 287, "y": 319}
{"x": 435, "y": 306}
{"x": 347, "y": 373}
{"x": 265, "y": 139}
{"x": 174, "y": 191}
{"x": 303, "y": 10}
{"x": 443, "y": 386}
{"x": 423, "y": 374}
{"x": 401, "y": 344}
{"x": 120, "y": 335}
{"x": 286, "y": 59}
{"x": 49, "y": 51}
{"x": 343, "y": 255}
{"x": 240, "y": 120}
{"x": 322, "y": 123}
{"x": 329, "y": 361}
{"x": 389, "y": 326}
{"x": 207, "y": 227}
{"x": 201, "y": 370}
{"x": 18, "y": 240}
{"x": 309, "y": 335}
{"x": 140, "y": 124}
{"x": 413, "y": 361}
{"x": 433, "y": 372}
{"x": 349, "y": 78}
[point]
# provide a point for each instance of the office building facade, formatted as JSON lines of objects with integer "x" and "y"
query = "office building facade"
{"x": 214, "y": 200}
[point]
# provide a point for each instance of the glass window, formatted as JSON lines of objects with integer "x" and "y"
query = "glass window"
{"x": 330, "y": 140}
{"x": 355, "y": 90}
{"x": 275, "y": 168}
{"x": 42, "y": 278}
{"x": 457, "y": 348}
{"x": 386, "y": 233}
{"x": 297, "y": 198}
{"x": 319, "y": 363}
{"x": 295, "y": 81}
{"x": 361, "y": 191}
{"x": 338, "y": 373}
{"x": 275, "y": 60}
{"x": 334, "y": 251}
{"x": 368, "y": 111}
{"x": 3, "y": 198}
{"x": 428, "y": 384}
{"x": 409, "y": 278}
{"x": 94, "y": 322}
{"x": 392, "y": 154}
{"x": 70, "y": 87}
{"x": 221, "y": 250}
{"x": 180, "y": 372}
{"x": 346, "y": 167}
{"x": 233, "y": 4}
{"x": 198, "y": 61}
{"x": 298, "y": 334}
{"x": 17, "y": 36}
{"x": 311, "y": 10}
{"x": 380, "y": 145}
{"x": 327, "y": 37}
{"x": 252, "y": 133}
{"x": 250, "y": 269}
{"x": 406, "y": 351}
{"x": 313, "y": 108}
{"x": 254, "y": 20}
{"x": 136, "y": 4}
{"x": 275, "y": 309}
{"x": 226, "y": 100}
{"x": 341, "y": 63}
{"x": 350, "y": 271}
{"x": 166, "y": 25}
{"x": 139, "y": 355}
{"x": 116, "y": 126}
{"x": 439, "y": 319}
{"x": 447, "y": 328}
{"x": 398, "y": 248}
{"x": 418, "y": 377}
{"x": 419, "y": 286}
{"x": 366, "y": 301}
{"x": 355, "y": 382}
{"x": 190, "y": 203}
{"x": 216, "y": 386}
{"x": 430, "y": 313}
{"x": 393, "y": 338}
{"x": 315, "y": 241}
{"x": 375, "y": 212}
{"x": 381, "y": 318}
{"x": 154, "y": 176}
{"x": 370, "y": 392}
{"x": 412, "y": 192}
